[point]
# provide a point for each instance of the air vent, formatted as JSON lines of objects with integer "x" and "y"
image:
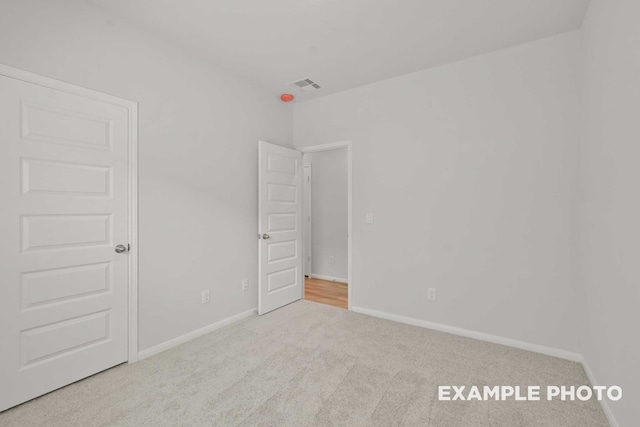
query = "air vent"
{"x": 305, "y": 85}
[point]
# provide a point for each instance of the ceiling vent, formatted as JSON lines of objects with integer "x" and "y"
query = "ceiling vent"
{"x": 305, "y": 85}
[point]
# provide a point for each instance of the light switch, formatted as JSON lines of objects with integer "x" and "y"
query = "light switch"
{"x": 369, "y": 218}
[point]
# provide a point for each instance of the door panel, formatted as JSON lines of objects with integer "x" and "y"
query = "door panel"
{"x": 67, "y": 178}
{"x": 280, "y": 218}
{"x": 64, "y": 202}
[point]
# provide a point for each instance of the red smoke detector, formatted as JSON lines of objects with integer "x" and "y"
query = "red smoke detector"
{"x": 286, "y": 97}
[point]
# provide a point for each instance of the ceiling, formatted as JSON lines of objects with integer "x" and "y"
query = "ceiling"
{"x": 342, "y": 44}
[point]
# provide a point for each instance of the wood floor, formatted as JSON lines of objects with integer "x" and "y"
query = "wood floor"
{"x": 326, "y": 292}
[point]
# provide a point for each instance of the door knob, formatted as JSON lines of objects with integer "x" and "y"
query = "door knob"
{"x": 120, "y": 249}
{"x": 265, "y": 236}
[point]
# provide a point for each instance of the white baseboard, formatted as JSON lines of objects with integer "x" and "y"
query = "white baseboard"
{"x": 329, "y": 278}
{"x": 604, "y": 403}
{"x": 193, "y": 335}
{"x": 549, "y": 351}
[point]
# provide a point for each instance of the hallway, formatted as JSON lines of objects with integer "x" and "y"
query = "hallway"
{"x": 326, "y": 292}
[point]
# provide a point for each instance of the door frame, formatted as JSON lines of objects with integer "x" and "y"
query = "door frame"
{"x": 336, "y": 146}
{"x": 307, "y": 244}
{"x": 132, "y": 210}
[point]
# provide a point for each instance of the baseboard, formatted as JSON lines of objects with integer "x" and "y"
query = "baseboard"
{"x": 549, "y": 351}
{"x": 329, "y": 278}
{"x": 604, "y": 403}
{"x": 193, "y": 335}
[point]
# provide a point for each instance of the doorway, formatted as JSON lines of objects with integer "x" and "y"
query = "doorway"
{"x": 325, "y": 226}
{"x": 281, "y": 242}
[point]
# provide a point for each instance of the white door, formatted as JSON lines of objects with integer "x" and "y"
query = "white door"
{"x": 280, "y": 226}
{"x": 63, "y": 209}
{"x": 306, "y": 218}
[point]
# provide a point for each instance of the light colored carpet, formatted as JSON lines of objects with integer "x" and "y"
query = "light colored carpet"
{"x": 310, "y": 364}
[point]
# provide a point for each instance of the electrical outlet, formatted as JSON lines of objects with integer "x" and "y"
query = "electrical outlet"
{"x": 245, "y": 285}
{"x": 332, "y": 260}
{"x": 206, "y": 296}
{"x": 369, "y": 218}
{"x": 431, "y": 294}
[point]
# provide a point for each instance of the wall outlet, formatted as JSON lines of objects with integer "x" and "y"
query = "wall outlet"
{"x": 431, "y": 294}
{"x": 206, "y": 296}
{"x": 332, "y": 260}
{"x": 245, "y": 284}
{"x": 369, "y": 218}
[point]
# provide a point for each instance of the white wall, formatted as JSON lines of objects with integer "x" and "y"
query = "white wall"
{"x": 469, "y": 169}
{"x": 610, "y": 200}
{"x": 329, "y": 212}
{"x": 199, "y": 128}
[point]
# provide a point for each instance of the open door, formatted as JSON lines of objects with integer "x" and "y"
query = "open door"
{"x": 279, "y": 226}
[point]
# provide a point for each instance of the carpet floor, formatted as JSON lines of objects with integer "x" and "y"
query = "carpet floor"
{"x": 309, "y": 364}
